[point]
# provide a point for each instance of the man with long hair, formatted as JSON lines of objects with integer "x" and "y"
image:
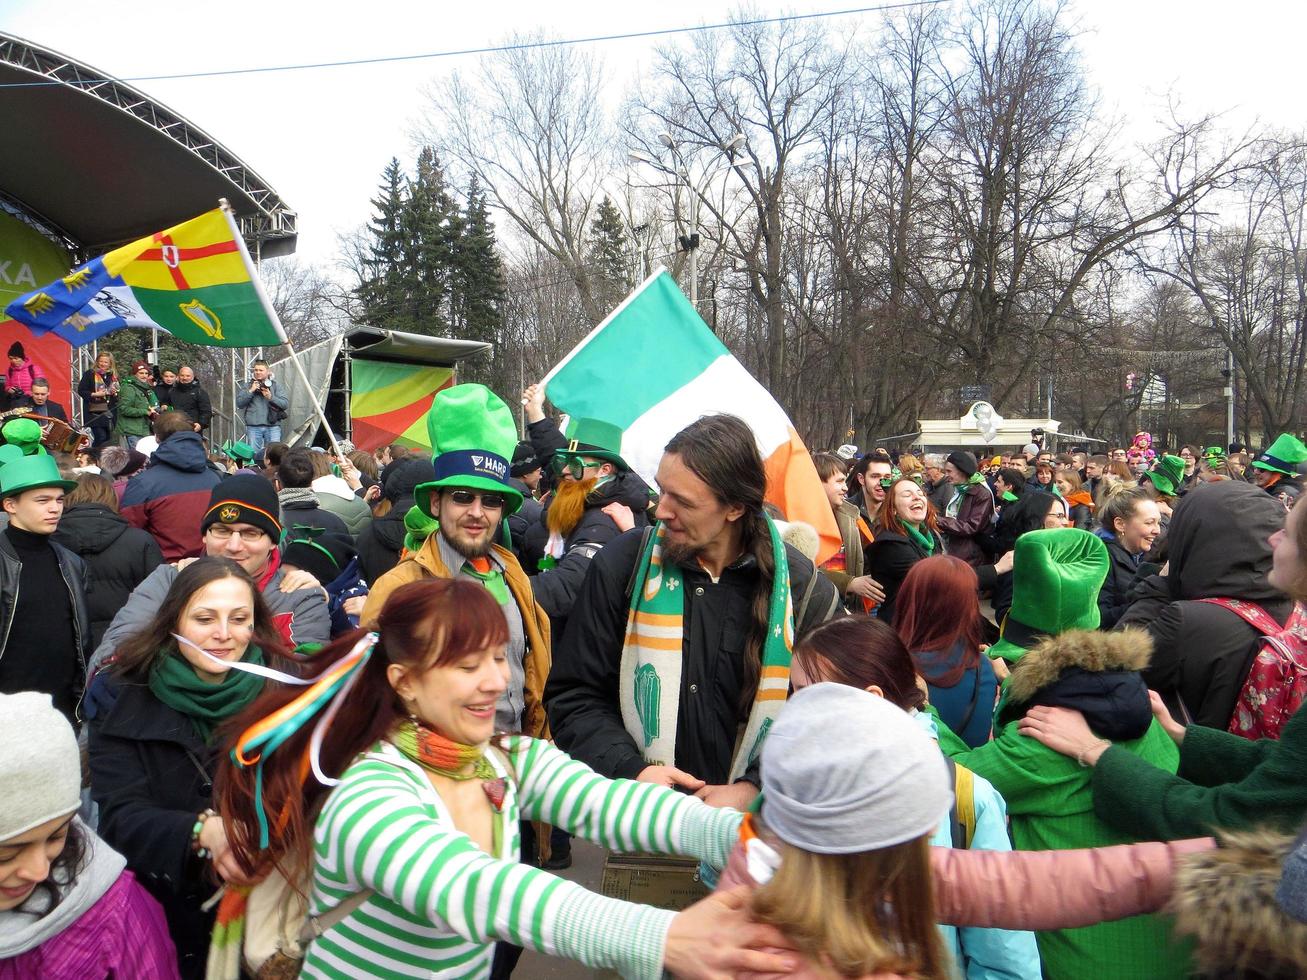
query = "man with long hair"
{"x": 676, "y": 655}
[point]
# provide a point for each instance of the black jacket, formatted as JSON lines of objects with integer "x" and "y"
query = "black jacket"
{"x": 152, "y": 775}
{"x": 74, "y": 574}
{"x": 1114, "y": 597}
{"x": 193, "y": 400}
{"x": 888, "y": 560}
{"x": 523, "y": 520}
{"x": 581, "y": 696}
{"x": 556, "y": 588}
{"x": 1219, "y": 548}
{"x": 51, "y": 410}
{"x": 380, "y": 542}
{"x": 118, "y": 557}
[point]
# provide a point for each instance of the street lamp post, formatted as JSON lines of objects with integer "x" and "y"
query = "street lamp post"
{"x": 690, "y": 242}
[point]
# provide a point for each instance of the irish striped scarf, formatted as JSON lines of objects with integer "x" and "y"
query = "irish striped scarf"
{"x": 650, "y": 673}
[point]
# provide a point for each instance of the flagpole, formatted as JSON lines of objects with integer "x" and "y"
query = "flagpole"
{"x": 271, "y": 312}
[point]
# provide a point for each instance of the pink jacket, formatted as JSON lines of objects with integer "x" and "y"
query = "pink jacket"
{"x": 21, "y": 377}
{"x": 123, "y": 935}
{"x": 1039, "y": 889}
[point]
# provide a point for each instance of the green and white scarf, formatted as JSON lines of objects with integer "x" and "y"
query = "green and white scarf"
{"x": 650, "y": 673}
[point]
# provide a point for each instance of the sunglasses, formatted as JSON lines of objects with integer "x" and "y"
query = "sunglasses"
{"x": 563, "y": 464}
{"x": 466, "y": 498}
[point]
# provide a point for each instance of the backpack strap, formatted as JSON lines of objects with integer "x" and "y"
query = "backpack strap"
{"x": 956, "y": 832}
{"x": 964, "y": 801}
{"x": 1251, "y": 613}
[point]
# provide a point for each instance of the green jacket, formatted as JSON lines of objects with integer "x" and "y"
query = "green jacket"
{"x": 1050, "y": 805}
{"x": 134, "y": 403}
{"x": 1224, "y": 781}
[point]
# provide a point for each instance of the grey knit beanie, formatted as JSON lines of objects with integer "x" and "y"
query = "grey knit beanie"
{"x": 845, "y": 771}
{"x": 40, "y": 766}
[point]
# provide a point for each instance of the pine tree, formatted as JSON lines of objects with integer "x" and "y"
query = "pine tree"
{"x": 608, "y": 254}
{"x": 431, "y": 225}
{"x": 478, "y": 272}
{"x": 380, "y": 292}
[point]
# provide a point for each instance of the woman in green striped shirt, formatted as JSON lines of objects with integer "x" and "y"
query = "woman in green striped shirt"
{"x": 417, "y": 845}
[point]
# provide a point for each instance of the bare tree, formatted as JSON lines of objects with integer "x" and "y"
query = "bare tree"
{"x": 529, "y": 123}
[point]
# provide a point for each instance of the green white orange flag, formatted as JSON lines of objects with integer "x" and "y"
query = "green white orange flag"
{"x": 194, "y": 280}
{"x": 653, "y": 367}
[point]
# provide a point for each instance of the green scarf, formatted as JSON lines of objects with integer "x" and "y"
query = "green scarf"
{"x": 493, "y": 580}
{"x": 174, "y": 682}
{"x": 925, "y": 541}
{"x": 650, "y": 672}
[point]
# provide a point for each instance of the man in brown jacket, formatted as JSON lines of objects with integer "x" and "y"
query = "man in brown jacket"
{"x": 472, "y": 440}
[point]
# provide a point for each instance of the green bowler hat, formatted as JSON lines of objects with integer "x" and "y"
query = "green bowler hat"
{"x": 25, "y": 434}
{"x": 1056, "y": 578}
{"x": 1167, "y": 475}
{"x": 473, "y": 436}
{"x": 1285, "y": 454}
{"x": 597, "y": 439}
{"x": 29, "y": 473}
{"x": 238, "y": 451}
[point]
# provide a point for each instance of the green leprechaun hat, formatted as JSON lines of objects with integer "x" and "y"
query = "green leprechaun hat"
{"x": 29, "y": 473}
{"x": 25, "y": 434}
{"x": 1214, "y": 456}
{"x": 1167, "y": 474}
{"x": 1056, "y": 578}
{"x": 596, "y": 439}
{"x": 472, "y": 441}
{"x": 238, "y": 452}
{"x": 1285, "y": 454}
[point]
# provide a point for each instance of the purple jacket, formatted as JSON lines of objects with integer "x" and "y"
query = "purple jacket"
{"x": 122, "y": 936}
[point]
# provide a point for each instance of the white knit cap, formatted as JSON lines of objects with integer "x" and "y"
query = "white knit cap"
{"x": 845, "y": 771}
{"x": 40, "y": 766}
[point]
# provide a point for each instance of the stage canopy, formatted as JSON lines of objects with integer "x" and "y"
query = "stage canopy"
{"x": 94, "y": 163}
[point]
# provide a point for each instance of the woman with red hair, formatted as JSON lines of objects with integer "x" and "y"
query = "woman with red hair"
{"x": 938, "y": 618}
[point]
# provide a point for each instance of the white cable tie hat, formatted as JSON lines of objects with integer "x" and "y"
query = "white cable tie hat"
{"x": 845, "y": 771}
{"x": 40, "y": 766}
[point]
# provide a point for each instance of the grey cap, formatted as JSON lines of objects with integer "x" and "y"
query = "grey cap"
{"x": 845, "y": 771}
{"x": 40, "y": 767}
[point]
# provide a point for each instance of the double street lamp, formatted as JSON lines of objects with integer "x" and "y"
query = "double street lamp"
{"x": 680, "y": 167}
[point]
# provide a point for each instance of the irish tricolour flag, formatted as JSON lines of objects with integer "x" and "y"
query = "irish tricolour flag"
{"x": 653, "y": 367}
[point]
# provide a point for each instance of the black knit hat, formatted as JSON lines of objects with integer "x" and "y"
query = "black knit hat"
{"x": 964, "y": 461}
{"x": 245, "y": 498}
{"x": 524, "y": 460}
{"x": 16, "y": 350}
{"x": 324, "y": 556}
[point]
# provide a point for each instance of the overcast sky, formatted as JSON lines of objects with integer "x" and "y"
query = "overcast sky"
{"x": 321, "y": 137}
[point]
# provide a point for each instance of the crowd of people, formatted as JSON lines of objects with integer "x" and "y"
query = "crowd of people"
{"x": 282, "y": 711}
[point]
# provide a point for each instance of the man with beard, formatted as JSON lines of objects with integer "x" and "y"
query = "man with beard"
{"x": 866, "y": 490}
{"x": 596, "y": 498}
{"x": 472, "y": 441}
{"x": 677, "y": 651}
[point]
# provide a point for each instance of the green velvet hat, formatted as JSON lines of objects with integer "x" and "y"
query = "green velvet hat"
{"x": 25, "y": 434}
{"x": 29, "y": 473}
{"x": 1056, "y": 577}
{"x": 1167, "y": 475}
{"x": 595, "y": 438}
{"x": 238, "y": 452}
{"x": 1285, "y": 454}
{"x": 472, "y": 441}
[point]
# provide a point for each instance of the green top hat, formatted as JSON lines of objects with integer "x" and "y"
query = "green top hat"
{"x": 1056, "y": 577}
{"x": 1214, "y": 456}
{"x": 472, "y": 441}
{"x": 1285, "y": 454}
{"x": 9, "y": 453}
{"x": 25, "y": 434}
{"x": 1167, "y": 475}
{"x": 595, "y": 438}
{"x": 238, "y": 452}
{"x": 29, "y": 473}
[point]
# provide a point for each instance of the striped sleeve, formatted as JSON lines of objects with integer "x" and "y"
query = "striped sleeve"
{"x": 618, "y": 813}
{"x": 376, "y": 833}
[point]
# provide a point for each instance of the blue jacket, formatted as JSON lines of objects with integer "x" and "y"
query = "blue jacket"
{"x": 254, "y": 408}
{"x": 986, "y": 954}
{"x": 169, "y": 498}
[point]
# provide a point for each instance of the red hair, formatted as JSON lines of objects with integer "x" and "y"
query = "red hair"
{"x": 936, "y": 609}
{"x": 888, "y": 519}
{"x": 423, "y": 624}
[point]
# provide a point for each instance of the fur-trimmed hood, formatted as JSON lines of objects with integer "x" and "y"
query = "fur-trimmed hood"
{"x": 1093, "y": 672}
{"x": 1225, "y": 899}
